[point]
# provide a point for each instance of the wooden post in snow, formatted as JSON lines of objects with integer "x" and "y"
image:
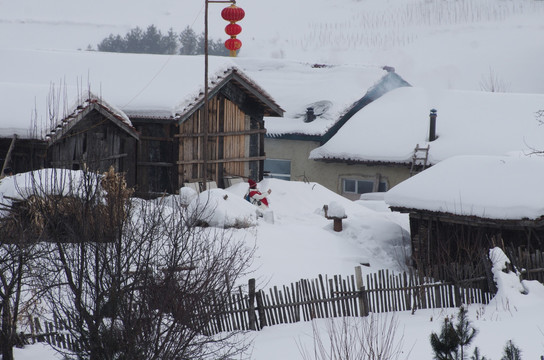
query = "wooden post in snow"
{"x": 8, "y": 156}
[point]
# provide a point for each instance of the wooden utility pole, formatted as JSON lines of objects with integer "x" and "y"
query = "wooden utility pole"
{"x": 206, "y": 100}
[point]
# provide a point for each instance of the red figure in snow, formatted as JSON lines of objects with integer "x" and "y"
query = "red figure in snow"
{"x": 256, "y": 197}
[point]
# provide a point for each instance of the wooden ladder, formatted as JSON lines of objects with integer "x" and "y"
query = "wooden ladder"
{"x": 419, "y": 159}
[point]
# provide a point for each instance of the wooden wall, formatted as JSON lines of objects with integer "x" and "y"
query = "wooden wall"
{"x": 157, "y": 154}
{"x": 441, "y": 240}
{"x": 234, "y": 147}
{"x": 95, "y": 143}
{"x": 26, "y": 155}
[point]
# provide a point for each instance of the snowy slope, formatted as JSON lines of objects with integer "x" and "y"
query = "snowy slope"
{"x": 443, "y": 44}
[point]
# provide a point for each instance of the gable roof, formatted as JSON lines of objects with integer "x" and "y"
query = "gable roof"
{"x": 243, "y": 82}
{"x": 80, "y": 111}
{"x": 139, "y": 85}
{"x": 334, "y": 91}
{"x": 468, "y": 123}
{"x": 486, "y": 187}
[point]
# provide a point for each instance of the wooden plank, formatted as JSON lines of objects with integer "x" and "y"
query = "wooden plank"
{"x": 261, "y": 311}
{"x": 323, "y": 295}
{"x": 289, "y": 305}
{"x": 224, "y": 134}
{"x": 251, "y": 305}
{"x": 296, "y": 308}
{"x": 217, "y": 161}
{"x": 315, "y": 297}
{"x": 331, "y": 296}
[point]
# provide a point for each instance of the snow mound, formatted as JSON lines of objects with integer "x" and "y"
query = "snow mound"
{"x": 218, "y": 208}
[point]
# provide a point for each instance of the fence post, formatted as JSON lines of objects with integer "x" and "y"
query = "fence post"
{"x": 32, "y": 329}
{"x": 437, "y": 297}
{"x": 260, "y": 308}
{"x": 363, "y": 301}
{"x": 251, "y": 308}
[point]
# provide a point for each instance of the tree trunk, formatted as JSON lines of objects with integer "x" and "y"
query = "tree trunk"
{"x": 6, "y": 336}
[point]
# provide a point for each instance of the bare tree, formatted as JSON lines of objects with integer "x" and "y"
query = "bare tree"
{"x": 135, "y": 279}
{"x": 18, "y": 251}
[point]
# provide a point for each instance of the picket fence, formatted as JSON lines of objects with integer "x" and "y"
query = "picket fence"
{"x": 51, "y": 332}
{"x": 337, "y": 296}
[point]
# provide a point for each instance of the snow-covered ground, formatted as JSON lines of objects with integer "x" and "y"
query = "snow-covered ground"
{"x": 301, "y": 243}
{"x": 464, "y": 44}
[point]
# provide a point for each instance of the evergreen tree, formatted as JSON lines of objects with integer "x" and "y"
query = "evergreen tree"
{"x": 152, "y": 41}
{"x": 446, "y": 344}
{"x": 215, "y": 47}
{"x": 133, "y": 41}
{"x": 169, "y": 42}
{"x": 464, "y": 330}
{"x": 451, "y": 342}
{"x": 476, "y": 355}
{"x": 511, "y": 352}
{"x": 188, "y": 42}
{"x": 113, "y": 43}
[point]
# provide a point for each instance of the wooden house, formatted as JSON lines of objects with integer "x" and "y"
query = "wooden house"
{"x": 465, "y": 205}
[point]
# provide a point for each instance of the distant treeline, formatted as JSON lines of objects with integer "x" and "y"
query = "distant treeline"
{"x": 152, "y": 41}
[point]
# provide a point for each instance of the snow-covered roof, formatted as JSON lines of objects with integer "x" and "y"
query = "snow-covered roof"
{"x": 81, "y": 107}
{"x": 330, "y": 90}
{"x": 468, "y": 123}
{"x": 490, "y": 187}
{"x": 138, "y": 85}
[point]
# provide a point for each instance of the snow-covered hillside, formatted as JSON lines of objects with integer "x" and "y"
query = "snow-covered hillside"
{"x": 463, "y": 44}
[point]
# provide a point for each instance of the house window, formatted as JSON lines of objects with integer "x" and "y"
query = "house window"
{"x": 353, "y": 186}
{"x": 277, "y": 169}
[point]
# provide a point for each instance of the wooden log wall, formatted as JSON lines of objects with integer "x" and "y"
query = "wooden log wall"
{"x": 229, "y": 132}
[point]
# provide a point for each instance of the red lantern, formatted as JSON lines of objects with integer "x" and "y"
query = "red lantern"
{"x": 233, "y": 13}
{"x": 233, "y": 29}
{"x": 233, "y": 44}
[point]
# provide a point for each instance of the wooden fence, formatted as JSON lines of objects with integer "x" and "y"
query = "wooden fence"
{"x": 338, "y": 296}
{"x": 531, "y": 265}
{"x": 51, "y": 332}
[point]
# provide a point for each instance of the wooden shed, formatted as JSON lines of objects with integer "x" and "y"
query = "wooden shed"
{"x": 439, "y": 237}
{"x": 175, "y": 151}
{"x": 465, "y": 205}
{"x": 94, "y": 137}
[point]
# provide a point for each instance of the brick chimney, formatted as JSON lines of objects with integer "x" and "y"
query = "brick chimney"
{"x": 432, "y": 125}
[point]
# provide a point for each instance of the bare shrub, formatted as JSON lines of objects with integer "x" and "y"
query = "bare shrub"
{"x": 135, "y": 279}
{"x": 493, "y": 83}
{"x": 365, "y": 338}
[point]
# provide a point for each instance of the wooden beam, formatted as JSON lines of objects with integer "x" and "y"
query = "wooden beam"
{"x": 158, "y": 164}
{"x": 255, "y": 158}
{"x": 155, "y": 138}
{"x": 227, "y": 133}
